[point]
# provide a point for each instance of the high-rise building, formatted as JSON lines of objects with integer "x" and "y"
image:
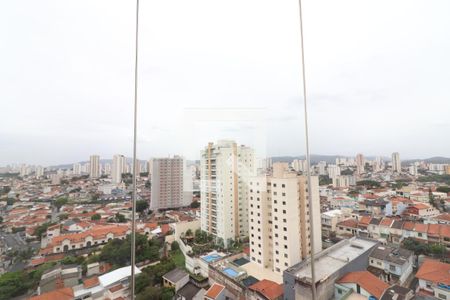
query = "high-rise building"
{"x": 413, "y": 170}
{"x": 39, "y": 171}
{"x": 76, "y": 169}
{"x": 343, "y": 181}
{"x": 396, "y": 164}
{"x": 299, "y": 165}
{"x": 359, "y": 164}
{"x": 94, "y": 166}
{"x": 171, "y": 183}
{"x": 107, "y": 169}
{"x": 321, "y": 168}
{"x": 225, "y": 169}
{"x": 279, "y": 219}
{"x": 333, "y": 171}
{"x": 118, "y": 168}
{"x": 447, "y": 170}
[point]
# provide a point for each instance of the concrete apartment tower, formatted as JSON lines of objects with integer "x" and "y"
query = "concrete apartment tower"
{"x": 94, "y": 166}
{"x": 279, "y": 219}
{"x": 225, "y": 168}
{"x": 396, "y": 164}
{"x": 118, "y": 168}
{"x": 359, "y": 164}
{"x": 171, "y": 183}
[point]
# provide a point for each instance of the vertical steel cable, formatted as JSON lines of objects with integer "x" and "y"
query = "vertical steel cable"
{"x": 308, "y": 160}
{"x": 133, "y": 218}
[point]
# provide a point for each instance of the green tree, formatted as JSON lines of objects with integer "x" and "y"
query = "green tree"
{"x": 443, "y": 189}
{"x": 141, "y": 205}
{"x": 41, "y": 229}
{"x": 120, "y": 218}
{"x": 1, "y": 219}
{"x": 13, "y": 284}
{"x": 150, "y": 293}
{"x": 60, "y": 202}
{"x": 143, "y": 280}
{"x": 96, "y": 217}
{"x": 195, "y": 204}
{"x": 175, "y": 246}
{"x": 62, "y": 217}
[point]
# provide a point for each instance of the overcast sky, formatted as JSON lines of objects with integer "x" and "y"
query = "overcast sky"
{"x": 378, "y": 77}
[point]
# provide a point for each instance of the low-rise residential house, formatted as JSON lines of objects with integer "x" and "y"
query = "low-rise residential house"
{"x": 397, "y": 292}
{"x": 176, "y": 279}
{"x": 97, "y": 235}
{"x": 420, "y": 232}
{"x": 190, "y": 292}
{"x": 347, "y": 228}
{"x": 393, "y": 265}
{"x": 329, "y": 221}
{"x": 374, "y": 228}
{"x": 408, "y": 230}
{"x": 385, "y": 227}
{"x": 265, "y": 290}
{"x": 434, "y": 279}
{"x": 363, "y": 225}
{"x": 396, "y": 232}
{"x": 363, "y": 283}
{"x": 59, "y": 294}
{"x": 375, "y": 207}
{"x": 422, "y": 211}
{"x": 59, "y": 277}
{"x": 441, "y": 219}
{"x": 216, "y": 292}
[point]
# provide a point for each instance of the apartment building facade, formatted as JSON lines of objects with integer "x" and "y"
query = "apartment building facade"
{"x": 279, "y": 219}
{"x": 225, "y": 168}
{"x": 171, "y": 183}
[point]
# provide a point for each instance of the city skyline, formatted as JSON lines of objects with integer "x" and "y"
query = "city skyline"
{"x": 371, "y": 89}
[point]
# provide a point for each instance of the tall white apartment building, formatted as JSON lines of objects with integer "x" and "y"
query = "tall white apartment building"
{"x": 171, "y": 183}
{"x": 333, "y": 171}
{"x": 94, "y": 166}
{"x": 396, "y": 164}
{"x": 107, "y": 169}
{"x": 280, "y": 221}
{"x": 76, "y": 169}
{"x": 321, "y": 167}
{"x": 343, "y": 181}
{"x": 359, "y": 164}
{"x": 413, "y": 170}
{"x": 118, "y": 168}
{"x": 299, "y": 165}
{"x": 225, "y": 168}
{"x": 39, "y": 171}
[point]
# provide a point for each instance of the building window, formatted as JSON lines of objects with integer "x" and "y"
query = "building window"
{"x": 283, "y": 185}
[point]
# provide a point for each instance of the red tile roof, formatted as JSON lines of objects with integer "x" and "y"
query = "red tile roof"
{"x": 421, "y": 228}
{"x": 60, "y": 294}
{"x": 91, "y": 282}
{"x": 386, "y": 222}
{"x": 435, "y": 271}
{"x": 269, "y": 289}
{"x": 408, "y": 226}
{"x": 348, "y": 223}
{"x": 434, "y": 229}
{"x": 365, "y": 220}
{"x": 214, "y": 291}
{"x": 116, "y": 288}
{"x": 367, "y": 281}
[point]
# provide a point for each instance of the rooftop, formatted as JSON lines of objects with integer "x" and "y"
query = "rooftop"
{"x": 214, "y": 291}
{"x": 269, "y": 289}
{"x": 397, "y": 256}
{"x": 175, "y": 275}
{"x": 332, "y": 259}
{"x": 435, "y": 271}
{"x": 117, "y": 275}
{"x": 367, "y": 281}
